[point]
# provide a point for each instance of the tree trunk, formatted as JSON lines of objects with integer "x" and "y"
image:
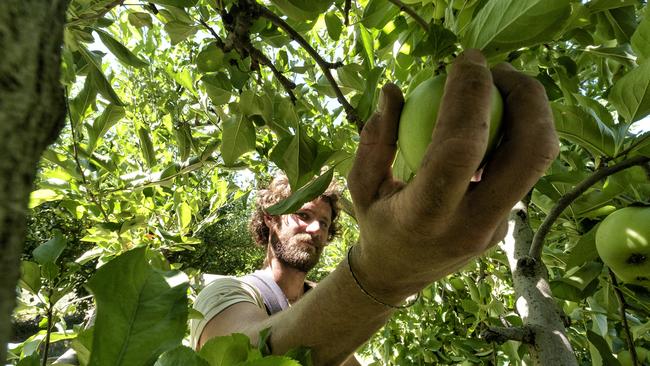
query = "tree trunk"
{"x": 535, "y": 303}
{"x": 32, "y": 113}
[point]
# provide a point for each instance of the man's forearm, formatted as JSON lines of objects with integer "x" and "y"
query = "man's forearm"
{"x": 333, "y": 319}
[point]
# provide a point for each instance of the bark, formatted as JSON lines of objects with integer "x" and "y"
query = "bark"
{"x": 32, "y": 113}
{"x": 535, "y": 303}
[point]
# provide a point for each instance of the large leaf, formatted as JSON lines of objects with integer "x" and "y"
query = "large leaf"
{"x": 576, "y": 125}
{"x": 367, "y": 100}
{"x": 30, "y": 277}
{"x": 377, "y": 13}
{"x": 181, "y": 356}
{"x": 603, "y": 348}
{"x": 631, "y": 94}
{"x": 226, "y": 350}
{"x": 119, "y": 50}
{"x": 238, "y": 138}
{"x": 302, "y": 195}
{"x": 146, "y": 146}
{"x": 100, "y": 81}
{"x": 505, "y": 25}
{"x": 84, "y": 99}
{"x": 109, "y": 117}
{"x": 179, "y": 31}
{"x": 176, "y": 3}
{"x": 438, "y": 43}
{"x": 50, "y": 251}
{"x": 141, "y": 312}
{"x": 641, "y": 39}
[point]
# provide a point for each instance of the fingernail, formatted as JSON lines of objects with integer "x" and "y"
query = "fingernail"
{"x": 382, "y": 100}
{"x": 474, "y": 55}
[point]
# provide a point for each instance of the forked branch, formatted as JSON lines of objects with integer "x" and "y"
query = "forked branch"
{"x": 567, "y": 199}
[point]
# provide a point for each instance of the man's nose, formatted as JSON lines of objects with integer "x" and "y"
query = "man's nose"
{"x": 313, "y": 227}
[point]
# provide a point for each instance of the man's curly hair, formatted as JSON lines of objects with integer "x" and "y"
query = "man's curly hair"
{"x": 278, "y": 190}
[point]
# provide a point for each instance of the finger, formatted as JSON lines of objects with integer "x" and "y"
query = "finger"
{"x": 460, "y": 136}
{"x": 529, "y": 145}
{"x": 377, "y": 146}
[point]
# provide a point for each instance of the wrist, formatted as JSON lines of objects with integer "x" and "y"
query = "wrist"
{"x": 377, "y": 283}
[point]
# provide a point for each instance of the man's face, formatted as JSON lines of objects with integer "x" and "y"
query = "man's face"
{"x": 299, "y": 238}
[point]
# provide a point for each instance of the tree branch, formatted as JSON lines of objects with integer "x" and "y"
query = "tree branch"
{"x": 324, "y": 65}
{"x": 626, "y": 327}
{"x": 501, "y": 335}
{"x": 567, "y": 199}
{"x": 346, "y": 12}
{"x": 76, "y": 159}
{"x": 408, "y": 10}
{"x": 258, "y": 57}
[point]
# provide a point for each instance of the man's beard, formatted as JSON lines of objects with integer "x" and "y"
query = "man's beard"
{"x": 295, "y": 252}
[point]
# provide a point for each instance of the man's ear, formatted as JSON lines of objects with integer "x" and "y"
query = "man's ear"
{"x": 270, "y": 220}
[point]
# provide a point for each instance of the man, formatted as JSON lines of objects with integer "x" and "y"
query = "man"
{"x": 412, "y": 235}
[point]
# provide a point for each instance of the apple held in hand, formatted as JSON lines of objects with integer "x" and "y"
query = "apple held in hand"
{"x": 419, "y": 117}
{"x": 623, "y": 243}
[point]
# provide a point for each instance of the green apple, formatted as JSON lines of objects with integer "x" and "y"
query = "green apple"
{"x": 623, "y": 243}
{"x": 419, "y": 117}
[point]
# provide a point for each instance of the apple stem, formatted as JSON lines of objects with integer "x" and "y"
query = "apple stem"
{"x": 626, "y": 327}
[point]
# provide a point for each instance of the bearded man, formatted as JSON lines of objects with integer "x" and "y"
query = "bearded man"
{"x": 409, "y": 234}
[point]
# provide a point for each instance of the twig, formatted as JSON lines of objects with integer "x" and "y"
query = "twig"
{"x": 503, "y": 334}
{"x": 50, "y": 310}
{"x": 626, "y": 327}
{"x": 258, "y": 57}
{"x": 346, "y": 12}
{"x": 76, "y": 159}
{"x": 632, "y": 146}
{"x": 538, "y": 241}
{"x": 408, "y": 10}
{"x": 324, "y": 65}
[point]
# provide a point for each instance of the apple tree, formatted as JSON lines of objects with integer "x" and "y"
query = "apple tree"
{"x": 168, "y": 111}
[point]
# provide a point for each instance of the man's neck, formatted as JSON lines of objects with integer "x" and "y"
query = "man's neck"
{"x": 290, "y": 280}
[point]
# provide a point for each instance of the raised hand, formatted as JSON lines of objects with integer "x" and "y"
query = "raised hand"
{"x": 414, "y": 234}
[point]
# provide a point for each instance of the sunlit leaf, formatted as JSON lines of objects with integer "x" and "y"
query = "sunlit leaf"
{"x": 631, "y": 94}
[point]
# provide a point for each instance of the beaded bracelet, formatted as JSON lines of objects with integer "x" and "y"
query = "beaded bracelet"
{"x": 407, "y": 305}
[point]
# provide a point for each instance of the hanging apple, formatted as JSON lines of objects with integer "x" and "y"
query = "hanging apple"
{"x": 623, "y": 243}
{"x": 420, "y": 113}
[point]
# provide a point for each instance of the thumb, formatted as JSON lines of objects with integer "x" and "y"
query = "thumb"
{"x": 377, "y": 146}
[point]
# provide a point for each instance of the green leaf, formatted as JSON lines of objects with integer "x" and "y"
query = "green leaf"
{"x": 210, "y": 59}
{"x": 50, "y": 251}
{"x": 84, "y": 99}
{"x": 272, "y": 361}
{"x": 302, "y": 355}
{"x": 141, "y": 312}
{"x": 505, "y": 25}
{"x": 30, "y": 276}
{"x": 179, "y": 31}
{"x": 597, "y": 6}
{"x": 120, "y": 51}
{"x": 576, "y": 125}
{"x": 184, "y": 215}
{"x": 41, "y": 196}
{"x": 82, "y": 345}
{"x": 439, "y": 43}
{"x": 146, "y": 146}
{"x": 181, "y": 356}
{"x": 226, "y": 350}
{"x": 334, "y": 25}
{"x": 31, "y": 360}
{"x": 217, "y": 87}
{"x": 140, "y": 19}
{"x": 109, "y": 117}
{"x": 584, "y": 250}
{"x": 378, "y": 13}
{"x": 251, "y": 104}
{"x": 100, "y": 81}
{"x": 641, "y": 39}
{"x": 238, "y": 138}
{"x": 305, "y": 194}
{"x": 603, "y": 348}
{"x": 176, "y": 3}
{"x": 367, "y": 100}
{"x": 631, "y": 94}
{"x": 367, "y": 45}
